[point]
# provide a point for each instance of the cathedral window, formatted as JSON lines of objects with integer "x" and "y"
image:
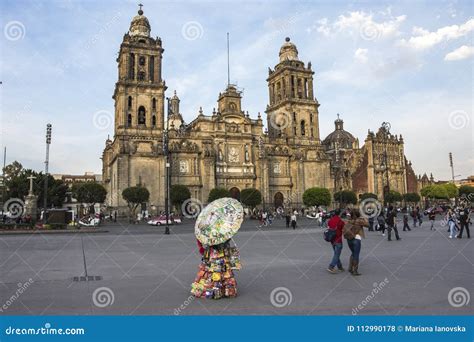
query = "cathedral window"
{"x": 153, "y": 120}
{"x": 312, "y": 134}
{"x": 141, "y": 76}
{"x": 152, "y": 68}
{"x": 130, "y": 102}
{"x": 303, "y": 127}
{"x": 131, "y": 67}
{"x": 311, "y": 117}
{"x": 141, "y": 115}
{"x": 294, "y": 130}
{"x": 141, "y": 60}
{"x": 129, "y": 120}
{"x": 153, "y": 104}
{"x": 294, "y": 116}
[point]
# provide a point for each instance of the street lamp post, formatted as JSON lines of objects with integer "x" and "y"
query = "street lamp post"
{"x": 46, "y": 167}
{"x": 386, "y": 189}
{"x": 167, "y": 166}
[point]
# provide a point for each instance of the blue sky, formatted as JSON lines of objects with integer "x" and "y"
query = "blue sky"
{"x": 407, "y": 62}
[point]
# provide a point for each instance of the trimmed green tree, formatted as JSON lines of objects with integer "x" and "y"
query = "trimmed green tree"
{"x": 345, "y": 197}
{"x": 89, "y": 193}
{"x": 451, "y": 189}
{"x": 393, "y": 196}
{"x": 178, "y": 195}
{"x": 466, "y": 192}
{"x": 368, "y": 195}
{"x": 251, "y": 197}
{"x": 217, "y": 193}
{"x": 135, "y": 196}
{"x": 316, "y": 196}
{"x": 411, "y": 197}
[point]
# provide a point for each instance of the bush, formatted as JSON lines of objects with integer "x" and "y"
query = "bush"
{"x": 251, "y": 197}
{"x": 217, "y": 193}
{"x": 393, "y": 196}
{"x": 178, "y": 194}
{"x": 345, "y": 197}
{"x": 411, "y": 197}
{"x": 316, "y": 197}
{"x": 368, "y": 195}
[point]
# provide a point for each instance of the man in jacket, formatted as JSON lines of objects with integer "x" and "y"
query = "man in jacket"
{"x": 391, "y": 217}
{"x": 338, "y": 225}
{"x": 464, "y": 220}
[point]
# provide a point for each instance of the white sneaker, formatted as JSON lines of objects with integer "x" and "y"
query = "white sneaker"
{"x": 450, "y": 237}
{"x": 383, "y": 234}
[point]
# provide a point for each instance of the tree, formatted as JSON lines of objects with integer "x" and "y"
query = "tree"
{"x": 217, "y": 193}
{"x": 89, "y": 193}
{"x": 18, "y": 186}
{"x": 393, "y": 196}
{"x": 467, "y": 192}
{"x": 451, "y": 189}
{"x": 368, "y": 195}
{"x": 135, "y": 196}
{"x": 316, "y": 197}
{"x": 178, "y": 194}
{"x": 411, "y": 197}
{"x": 345, "y": 197}
{"x": 435, "y": 191}
{"x": 12, "y": 170}
{"x": 251, "y": 197}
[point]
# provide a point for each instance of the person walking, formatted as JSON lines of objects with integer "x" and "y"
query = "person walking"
{"x": 371, "y": 224}
{"x": 336, "y": 224}
{"x": 287, "y": 218}
{"x": 405, "y": 221}
{"x": 391, "y": 223}
{"x": 353, "y": 233}
{"x": 414, "y": 214}
{"x": 432, "y": 218}
{"x": 381, "y": 223}
{"x": 293, "y": 221}
{"x": 420, "y": 216}
{"x": 464, "y": 220}
{"x": 451, "y": 218}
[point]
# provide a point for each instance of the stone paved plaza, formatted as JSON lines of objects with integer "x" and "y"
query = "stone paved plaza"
{"x": 149, "y": 273}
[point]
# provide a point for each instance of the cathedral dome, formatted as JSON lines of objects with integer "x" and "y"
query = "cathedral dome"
{"x": 140, "y": 26}
{"x": 288, "y": 51}
{"x": 342, "y": 138}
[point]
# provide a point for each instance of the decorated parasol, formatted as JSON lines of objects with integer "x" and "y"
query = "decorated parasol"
{"x": 219, "y": 221}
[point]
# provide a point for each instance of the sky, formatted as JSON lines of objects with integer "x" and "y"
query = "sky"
{"x": 407, "y": 62}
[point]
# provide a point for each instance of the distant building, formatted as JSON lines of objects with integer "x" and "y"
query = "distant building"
{"x": 72, "y": 179}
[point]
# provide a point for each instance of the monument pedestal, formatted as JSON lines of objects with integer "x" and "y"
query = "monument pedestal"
{"x": 31, "y": 206}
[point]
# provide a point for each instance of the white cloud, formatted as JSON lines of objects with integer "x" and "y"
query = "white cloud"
{"x": 361, "y": 55}
{"x": 462, "y": 52}
{"x": 363, "y": 24}
{"x": 424, "y": 39}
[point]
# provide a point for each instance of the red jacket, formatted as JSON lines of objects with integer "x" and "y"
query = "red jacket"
{"x": 336, "y": 223}
{"x": 201, "y": 248}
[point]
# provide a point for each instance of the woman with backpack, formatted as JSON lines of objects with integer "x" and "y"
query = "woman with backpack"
{"x": 353, "y": 233}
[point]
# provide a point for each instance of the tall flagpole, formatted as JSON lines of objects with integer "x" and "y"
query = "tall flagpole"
{"x": 228, "y": 61}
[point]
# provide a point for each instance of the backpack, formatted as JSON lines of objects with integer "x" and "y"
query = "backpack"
{"x": 348, "y": 233}
{"x": 329, "y": 235}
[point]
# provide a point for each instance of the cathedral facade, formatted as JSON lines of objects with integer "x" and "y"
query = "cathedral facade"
{"x": 230, "y": 149}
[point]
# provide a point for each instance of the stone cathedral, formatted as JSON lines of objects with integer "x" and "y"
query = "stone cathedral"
{"x": 230, "y": 149}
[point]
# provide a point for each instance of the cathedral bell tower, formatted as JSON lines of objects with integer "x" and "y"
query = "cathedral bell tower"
{"x": 139, "y": 92}
{"x": 292, "y": 111}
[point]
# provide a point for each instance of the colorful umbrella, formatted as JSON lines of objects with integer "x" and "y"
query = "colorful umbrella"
{"x": 219, "y": 221}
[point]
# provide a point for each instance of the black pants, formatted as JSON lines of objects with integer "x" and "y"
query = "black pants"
{"x": 382, "y": 228}
{"x": 371, "y": 226}
{"x": 406, "y": 226}
{"x": 287, "y": 222}
{"x": 394, "y": 227}
{"x": 465, "y": 225}
{"x": 293, "y": 224}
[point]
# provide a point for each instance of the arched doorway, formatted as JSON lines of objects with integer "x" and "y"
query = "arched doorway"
{"x": 235, "y": 193}
{"x": 278, "y": 200}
